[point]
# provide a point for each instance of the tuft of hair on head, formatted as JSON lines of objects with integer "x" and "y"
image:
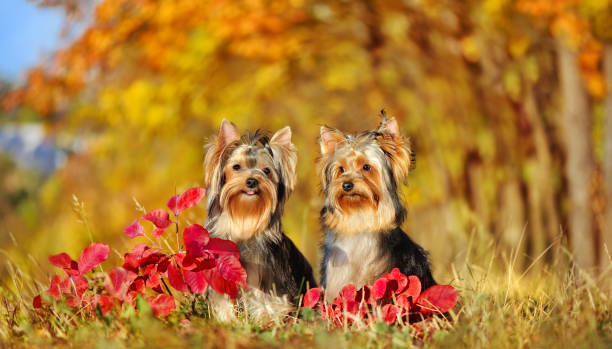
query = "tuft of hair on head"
{"x": 228, "y": 136}
{"x": 285, "y": 156}
{"x": 395, "y": 146}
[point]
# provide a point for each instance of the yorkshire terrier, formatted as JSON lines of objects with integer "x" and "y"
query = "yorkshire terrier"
{"x": 249, "y": 179}
{"x": 363, "y": 213}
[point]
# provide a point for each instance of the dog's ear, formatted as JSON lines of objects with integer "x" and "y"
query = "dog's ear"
{"x": 330, "y": 139}
{"x": 396, "y": 147}
{"x": 228, "y": 134}
{"x": 389, "y": 126}
{"x": 286, "y": 155}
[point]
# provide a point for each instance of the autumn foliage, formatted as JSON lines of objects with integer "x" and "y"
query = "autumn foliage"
{"x": 394, "y": 298}
{"x": 199, "y": 262}
{"x": 202, "y": 261}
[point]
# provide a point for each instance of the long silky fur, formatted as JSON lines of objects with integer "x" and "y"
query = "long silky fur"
{"x": 277, "y": 272}
{"x": 365, "y": 240}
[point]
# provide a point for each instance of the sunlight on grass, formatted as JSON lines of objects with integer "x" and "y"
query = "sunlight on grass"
{"x": 498, "y": 308}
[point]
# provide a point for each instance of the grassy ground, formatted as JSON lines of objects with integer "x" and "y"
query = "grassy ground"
{"x": 498, "y": 308}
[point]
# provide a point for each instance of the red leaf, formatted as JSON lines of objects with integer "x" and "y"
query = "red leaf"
{"x": 380, "y": 288}
{"x": 92, "y": 256}
{"x": 312, "y": 296}
{"x": 105, "y": 303}
{"x": 348, "y": 292}
{"x": 178, "y": 258}
{"x": 346, "y": 299}
{"x": 196, "y": 281}
{"x": 437, "y": 298}
{"x": 199, "y": 263}
{"x": 74, "y": 301}
{"x": 137, "y": 286}
{"x": 64, "y": 261}
{"x": 160, "y": 218}
{"x": 231, "y": 270}
{"x": 150, "y": 257}
{"x": 389, "y": 313}
{"x": 176, "y": 278}
{"x": 116, "y": 283}
{"x": 190, "y": 198}
{"x": 132, "y": 259}
{"x": 195, "y": 237}
{"x": 222, "y": 247}
{"x": 219, "y": 284}
{"x": 162, "y": 305}
{"x": 327, "y": 311}
{"x": 74, "y": 283}
{"x": 54, "y": 287}
{"x": 154, "y": 282}
{"x": 134, "y": 229}
{"x": 365, "y": 294}
{"x": 403, "y": 302}
{"x": 401, "y": 279}
{"x": 157, "y": 232}
{"x": 172, "y": 205}
{"x": 414, "y": 287}
{"x": 37, "y": 302}
{"x": 162, "y": 265}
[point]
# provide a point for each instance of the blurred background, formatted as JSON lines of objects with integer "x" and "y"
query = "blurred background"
{"x": 508, "y": 105}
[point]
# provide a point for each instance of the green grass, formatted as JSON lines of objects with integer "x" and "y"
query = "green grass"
{"x": 498, "y": 308}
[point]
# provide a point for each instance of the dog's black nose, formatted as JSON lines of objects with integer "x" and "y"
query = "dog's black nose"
{"x": 251, "y": 183}
{"x": 347, "y": 186}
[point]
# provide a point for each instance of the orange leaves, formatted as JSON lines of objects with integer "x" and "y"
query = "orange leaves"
{"x": 149, "y": 34}
{"x": 589, "y": 59}
{"x": 540, "y": 8}
{"x": 567, "y": 21}
{"x": 256, "y": 29}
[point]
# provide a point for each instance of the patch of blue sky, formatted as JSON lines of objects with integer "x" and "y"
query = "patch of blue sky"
{"x": 28, "y": 35}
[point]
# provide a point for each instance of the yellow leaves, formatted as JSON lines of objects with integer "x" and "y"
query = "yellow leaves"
{"x": 269, "y": 77}
{"x": 517, "y": 46}
{"x": 469, "y": 48}
{"x": 512, "y": 83}
{"x": 495, "y": 7}
{"x": 347, "y": 66}
{"x": 396, "y": 26}
{"x": 540, "y": 8}
{"x": 595, "y": 83}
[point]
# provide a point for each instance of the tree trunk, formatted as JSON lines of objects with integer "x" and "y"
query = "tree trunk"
{"x": 512, "y": 223}
{"x": 607, "y": 163}
{"x": 579, "y": 164}
{"x": 544, "y": 219}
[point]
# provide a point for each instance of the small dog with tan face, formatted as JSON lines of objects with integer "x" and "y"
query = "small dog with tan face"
{"x": 363, "y": 212}
{"x": 249, "y": 179}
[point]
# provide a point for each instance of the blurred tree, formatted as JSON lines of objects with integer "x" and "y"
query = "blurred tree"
{"x": 474, "y": 83}
{"x": 601, "y": 15}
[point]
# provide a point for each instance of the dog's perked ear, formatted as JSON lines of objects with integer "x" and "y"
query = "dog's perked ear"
{"x": 228, "y": 135}
{"x": 330, "y": 140}
{"x": 396, "y": 147}
{"x": 285, "y": 156}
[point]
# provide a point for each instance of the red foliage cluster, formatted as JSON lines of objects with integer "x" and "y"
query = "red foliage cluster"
{"x": 201, "y": 262}
{"x": 393, "y": 297}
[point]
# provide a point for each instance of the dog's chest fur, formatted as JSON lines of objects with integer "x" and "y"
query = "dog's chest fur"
{"x": 353, "y": 259}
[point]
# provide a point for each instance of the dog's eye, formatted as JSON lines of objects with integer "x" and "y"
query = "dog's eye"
{"x": 341, "y": 169}
{"x": 236, "y": 167}
{"x": 266, "y": 171}
{"x": 366, "y": 167}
